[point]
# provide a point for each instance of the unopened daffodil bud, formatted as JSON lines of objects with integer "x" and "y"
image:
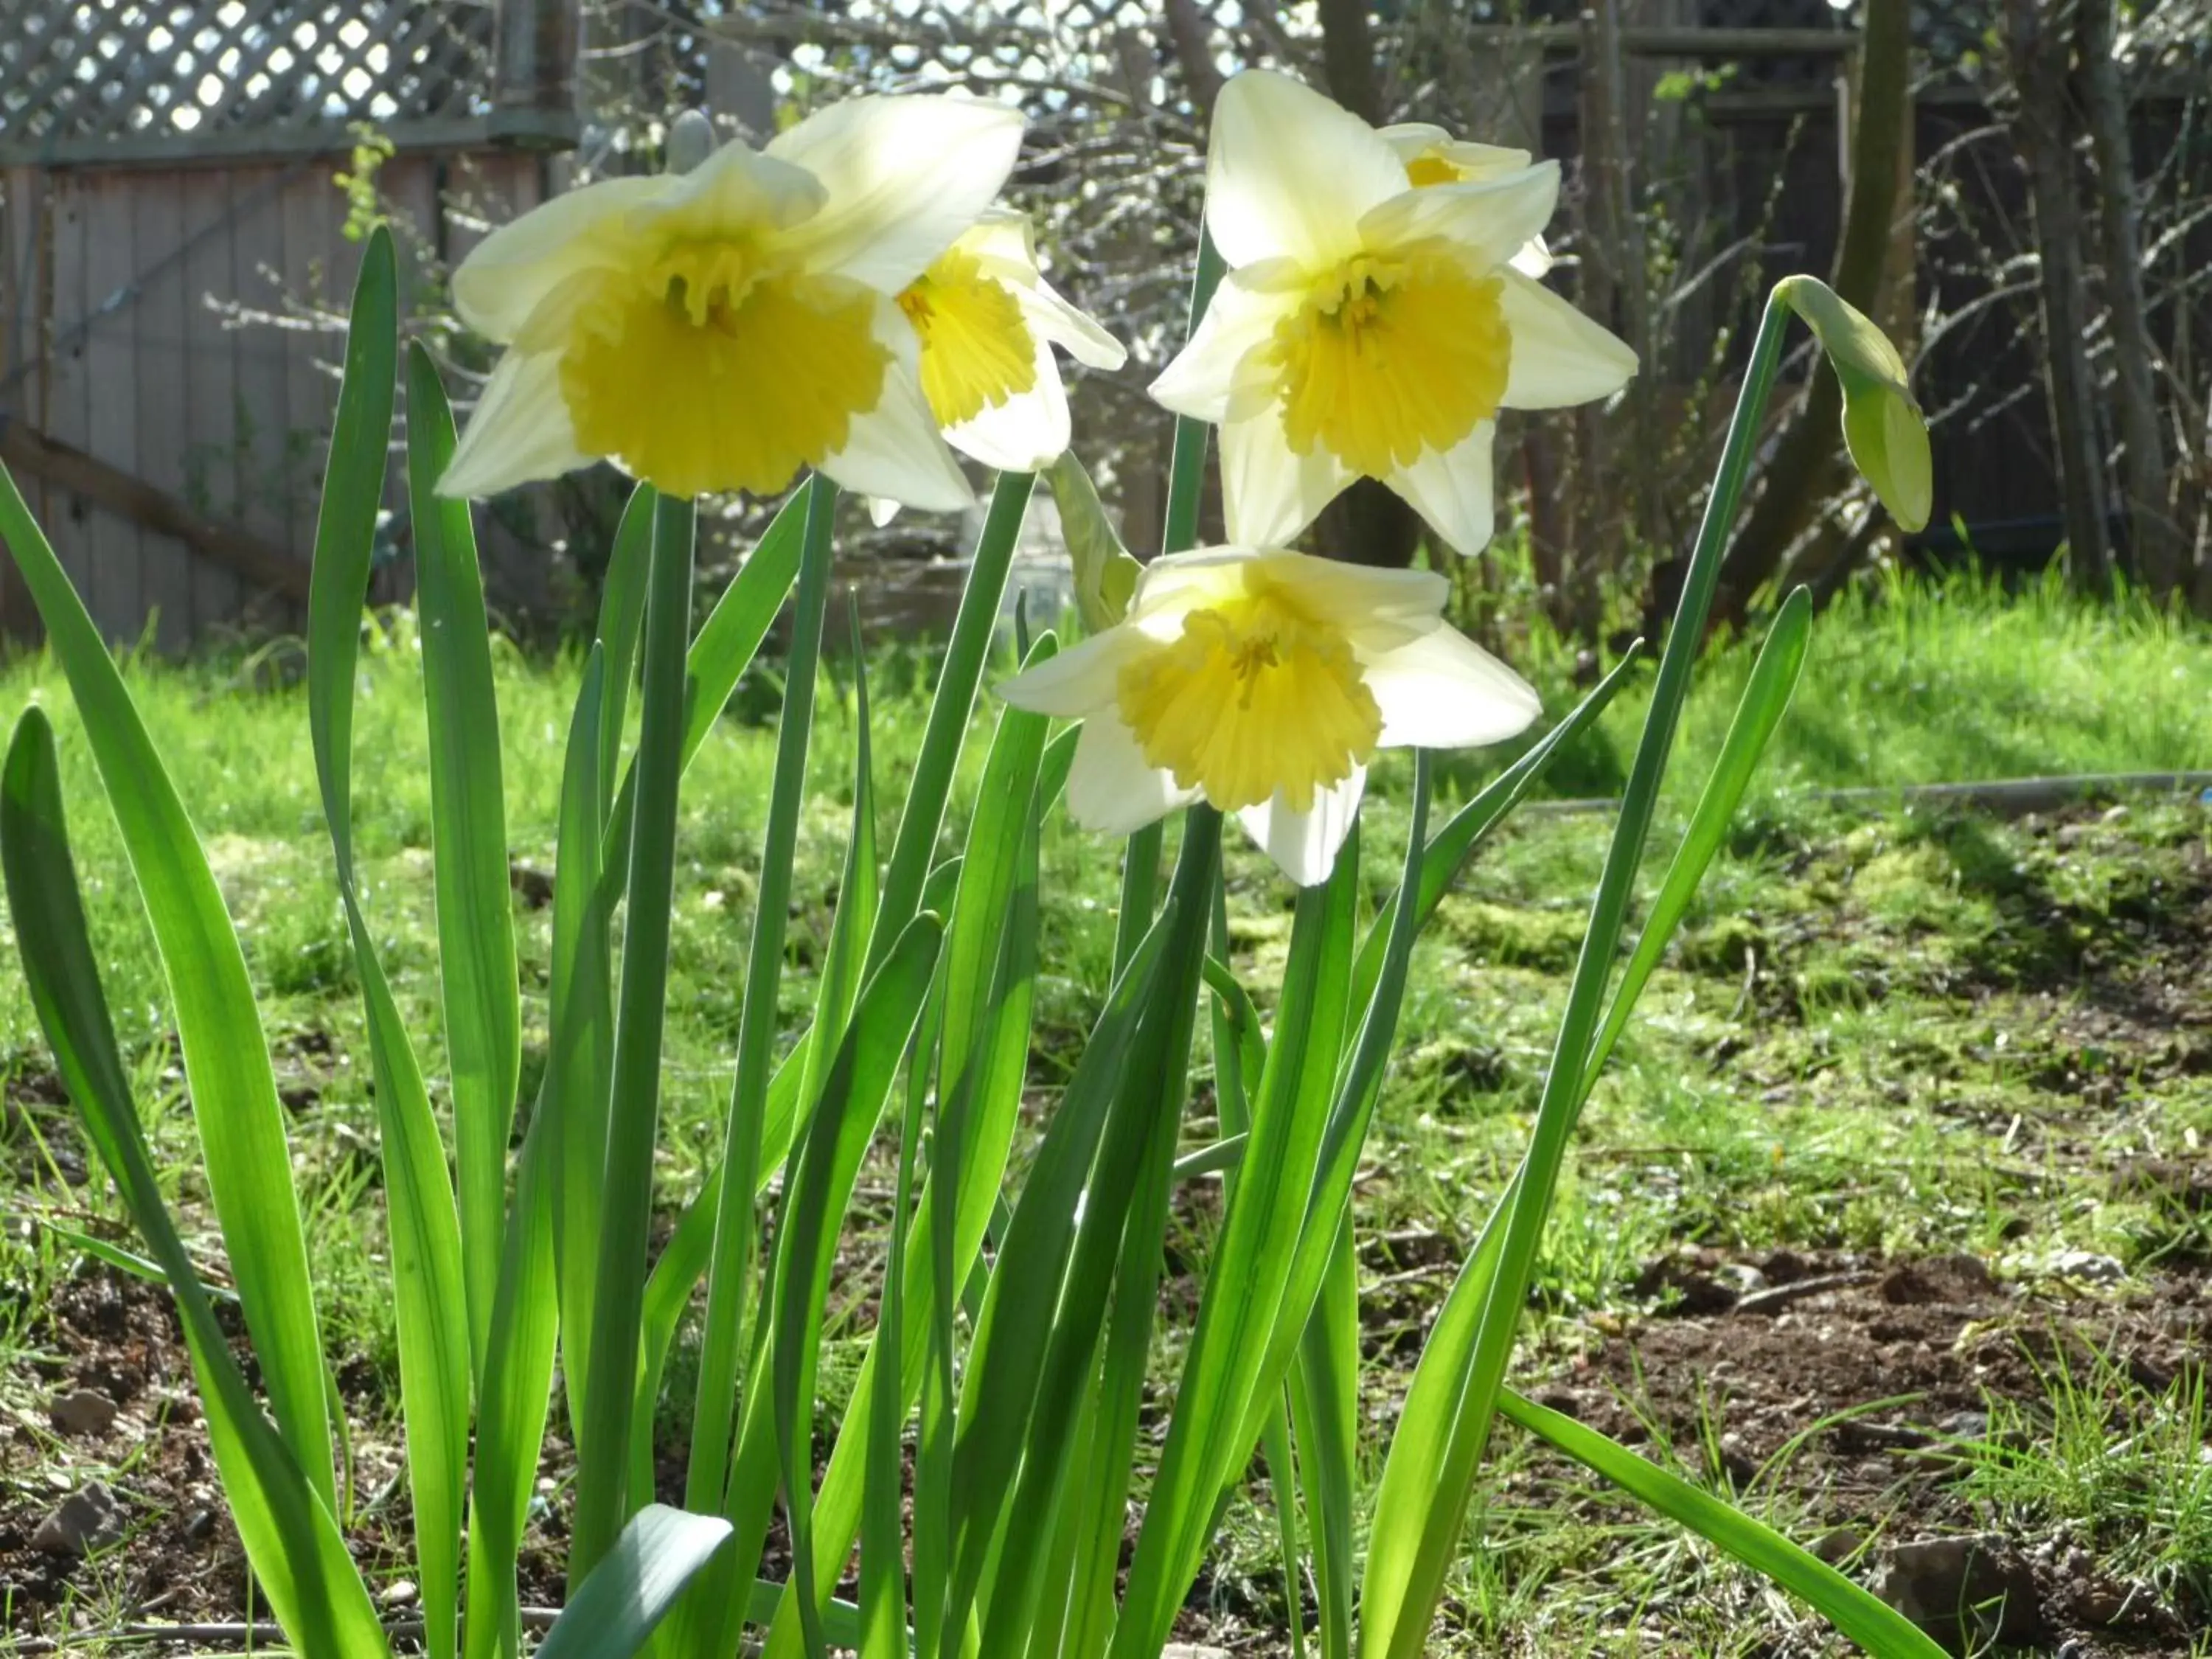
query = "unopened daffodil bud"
{"x": 1883, "y": 427}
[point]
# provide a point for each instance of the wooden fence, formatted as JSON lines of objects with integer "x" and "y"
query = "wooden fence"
{"x": 170, "y": 228}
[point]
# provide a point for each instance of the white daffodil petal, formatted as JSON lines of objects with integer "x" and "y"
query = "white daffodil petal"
{"x": 519, "y": 431}
{"x": 1561, "y": 357}
{"x": 1304, "y": 845}
{"x": 505, "y": 276}
{"x": 1111, "y": 787}
{"x": 1534, "y": 257}
{"x": 1489, "y": 219}
{"x": 1444, "y": 692}
{"x": 1379, "y": 611}
{"x": 735, "y": 191}
{"x": 1204, "y": 375}
{"x": 1269, "y": 493}
{"x": 1452, "y": 489}
{"x": 1048, "y": 313}
{"x": 1289, "y": 173}
{"x": 895, "y": 450}
{"x": 1414, "y": 139}
{"x": 904, "y": 176}
{"x": 1080, "y": 681}
{"x": 1024, "y": 434}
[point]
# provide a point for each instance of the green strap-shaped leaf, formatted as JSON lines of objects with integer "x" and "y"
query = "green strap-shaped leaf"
{"x": 428, "y": 1282}
{"x": 1866, "y": 1619}
{"x": 858, "y": 1082}
{"x": 951, "y": 708}
{"x": 990, "y": 957}
{"x": 298, "y": 1555}
{"x": 227, "y": 1069}
{"x": 603, "y": 1500}
{"x": 1759, "y": 711}
{"x": 635, "y": 1584}
{"x": 1223, "y": 1381}
{"x": 527, "y": 1308}
{"x": 1450, "y": 848}
{"x": 1408, "y": 1558}
{"x": 468, "y": 842}
{"x": 622, "y": 623}
{"x": 1007, "y": 1363}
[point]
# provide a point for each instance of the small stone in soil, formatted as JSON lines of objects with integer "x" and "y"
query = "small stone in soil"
{"x": 82, "y": 1412}
{"x": 88, "y": 1519}
{"x": 201, "y": 1527}
{"x": 1965, "y": 1592}
{"x": 399, "y": 1593}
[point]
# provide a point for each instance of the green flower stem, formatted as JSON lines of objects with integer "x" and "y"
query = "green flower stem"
{"x": 1564, "y": 1082}
{"x": 602, "y": 1504}
{"x": 949, "y": 710}
{"x": 708, "y": 1472}
{"x": 1140, "y": 860}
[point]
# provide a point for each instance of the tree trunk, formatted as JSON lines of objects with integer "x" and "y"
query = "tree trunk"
{"x": 2155, "y": 540}
{"x": 2041, "y": 127}
{"x": 1804, "y": 459}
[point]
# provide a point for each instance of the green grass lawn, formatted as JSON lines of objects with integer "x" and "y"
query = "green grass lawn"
{"x": 1880, "y": 1039}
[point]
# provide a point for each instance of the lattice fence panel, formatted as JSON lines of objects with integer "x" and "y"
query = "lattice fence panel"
{"x": 145, "y": 68}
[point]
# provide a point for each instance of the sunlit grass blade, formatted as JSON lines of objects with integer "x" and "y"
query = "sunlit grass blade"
{"x": 732, "y": 1264}
{"x": 1765, "y": 698}
{"x": 1407, "y": 1559}
{"x": 853, "y": 1089}
{"x": 527, "y": 1308}
{"x": 468, "y": 842}
{"x": 1222, "y": 1379}
{"x": 603, "y": 1500}
{"x": 428, "y": 1284}
{"x": 226, "y": 1055}
{"x": 635, "y": 1584}
{"x": 1872, "y": 1623}
{"x": 857, "y": 883}
{"x": 293, "y": 1542}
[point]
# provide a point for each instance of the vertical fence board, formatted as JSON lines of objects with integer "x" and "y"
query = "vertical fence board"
{"x": 261, "y": 409}
{"x": 67, "y": 516}
{"x": 214, "y": 480}
{"x": 312, "y": 270}
{"x": 22, "y": 351}
{"x": 110, "y": 307}
{"x": 163, "y": 373}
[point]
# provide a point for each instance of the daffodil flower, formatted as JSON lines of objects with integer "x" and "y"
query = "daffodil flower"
{"x": 1264, "y": 682}
{"x": 720, "y": 329}
{"x": 1432, "y": 156}
{"x": 1373, "y": 321}
{"x": 987, "y": 321}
